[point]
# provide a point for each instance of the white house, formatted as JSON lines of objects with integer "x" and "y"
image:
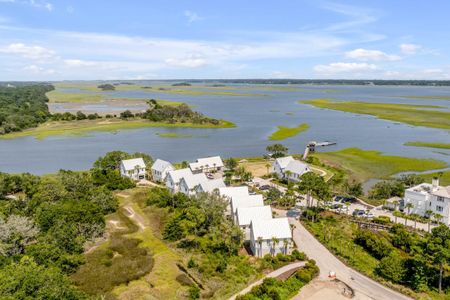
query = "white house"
{"x": 429, "y": 197}
{"x": 270, "y": 237}
{"x": 210, "y": 186}
{"x": 160, "y": 169}
{"x": 245, "y": 201}
{"x": 133, "y": 168}
{"x": 173, "y": 179}
{"x": 289, "y": 168}
{"x": 207, "y": 164}
{"x": 190, "y": 182}
{"x": 231, "y": 191}
{"x": 245, "y": 216}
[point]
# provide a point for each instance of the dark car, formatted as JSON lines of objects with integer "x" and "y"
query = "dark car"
{"x": 359, "y": 213}
{"x": 264, "y": 187}
{"x": 345, "y": 199}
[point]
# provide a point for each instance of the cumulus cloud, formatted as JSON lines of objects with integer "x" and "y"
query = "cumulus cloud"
{"x": 410, "y": 49}
{"x": 30, "y": 52}
{"x": 371, "y": 55}
{"x": 342, "y": 67}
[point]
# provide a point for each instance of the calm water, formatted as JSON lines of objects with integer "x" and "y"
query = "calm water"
{"x": 256, "y": 118}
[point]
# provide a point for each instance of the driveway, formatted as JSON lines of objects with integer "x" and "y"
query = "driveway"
{"x": 363, "y": 286}
{"x": 262, "y": 181}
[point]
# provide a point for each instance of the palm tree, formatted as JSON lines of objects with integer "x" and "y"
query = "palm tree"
{"x": 260, "y": 241}
{"x": 429, "y": 214}
{"x": 396, "y": 204}
{"x": 268, "y": 168}
{"x": 438, "y": 218}
{"x": 292, "y": 229}
{"x": 288, "y": 174}
{"x": 408, "y": 206}
{"x": 286, "y": 244}
{"x": 275, "y": 241}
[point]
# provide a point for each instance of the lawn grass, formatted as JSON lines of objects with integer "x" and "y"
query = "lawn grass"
{"x": 363, "y": 165}
{"x": 429, "y": 144}
{"x": 284, "y": 132}
{"x": 80, "y": 128}
{"x": 406, "y": 113}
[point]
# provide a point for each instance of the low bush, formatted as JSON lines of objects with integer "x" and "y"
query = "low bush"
{"x": 120, "y": 263}
{"x": 272, "y": 288}
{"x": 374, "y": 243}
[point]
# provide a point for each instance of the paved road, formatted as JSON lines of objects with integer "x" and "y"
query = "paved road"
{"x": 326, "y": 261}
{"x": 275, "y": 273}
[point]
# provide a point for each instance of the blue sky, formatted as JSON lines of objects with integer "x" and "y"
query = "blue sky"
{"x": 136, "y": 39}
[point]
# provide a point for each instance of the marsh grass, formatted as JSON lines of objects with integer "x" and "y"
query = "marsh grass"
{"x": 366, "y": 164}
{"x": 284, "y": 132}
{"x": 428, "y": 97}
{"x": 84, "y": 127}
{"x": 174, "y": 135}
{"x": 417, "y": 115}
{"x": 429, "y": 144}
{"x": 119, "y": 261}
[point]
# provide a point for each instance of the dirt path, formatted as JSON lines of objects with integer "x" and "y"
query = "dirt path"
{"x": 136, "y": 218}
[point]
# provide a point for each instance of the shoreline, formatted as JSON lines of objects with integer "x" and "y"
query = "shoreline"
{"x": 83, "y": 127}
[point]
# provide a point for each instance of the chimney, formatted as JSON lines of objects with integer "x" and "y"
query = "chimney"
{"x": 435, "y": 182}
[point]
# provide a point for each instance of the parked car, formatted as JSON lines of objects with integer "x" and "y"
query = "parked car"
{"x": 369, "y": 215}
{"x": 210, "y": 176}
{"x": 264, "y": 187}
{"x": 359, "y": 213}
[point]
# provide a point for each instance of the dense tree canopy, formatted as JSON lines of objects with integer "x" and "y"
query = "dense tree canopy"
{"x": 23, "y": 107}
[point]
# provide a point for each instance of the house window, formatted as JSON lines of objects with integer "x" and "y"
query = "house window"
{"x": 440, "y": 199}
{"x": 439, "y": 208}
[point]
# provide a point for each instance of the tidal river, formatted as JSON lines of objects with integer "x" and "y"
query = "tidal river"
{"x": 256, "y": 118}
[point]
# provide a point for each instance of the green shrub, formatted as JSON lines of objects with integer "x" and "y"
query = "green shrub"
{"x": 375, "y": 244}
{"x": 273, "y": 288}
{"x": 392, "y": 267}
{"x": 382, "y": 220}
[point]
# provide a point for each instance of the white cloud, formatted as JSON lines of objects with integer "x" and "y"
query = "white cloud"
{"x": 371, "y": 55}
{"x": 39, "y": 70}
{"x": 79, "y": 63}
{"x": 357, "y": 16}
{"x": 342, "y": 67}
{"x": 34, "y": 3}
{"x": 188, "y": 62}
{"x": 30, "y": 52}
{"x": 410, "y": 49}
{"x": 192, "y": 16}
